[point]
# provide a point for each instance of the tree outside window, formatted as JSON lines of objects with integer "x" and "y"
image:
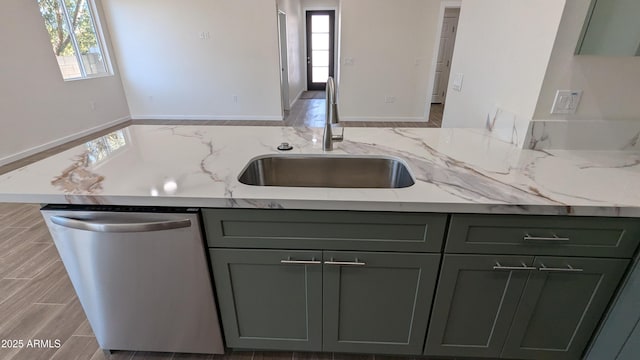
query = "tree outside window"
{"x": 74, "y": 37}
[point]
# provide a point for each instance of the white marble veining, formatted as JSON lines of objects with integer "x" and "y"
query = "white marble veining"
{"x": 507, "y": 126}
{"x": 584, "y": 135}
{"x": 456, "y": 170}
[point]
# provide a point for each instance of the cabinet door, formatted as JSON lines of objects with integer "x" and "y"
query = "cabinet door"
{"x": 619, "y": 336}
{"x": 476, "y": 299}
{"x": 377, "y": 302}
{"x": 561, "y": 307}
{"x": 269, "y": 299}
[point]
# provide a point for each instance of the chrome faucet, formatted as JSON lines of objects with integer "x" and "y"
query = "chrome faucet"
{"x": 331, "y": 117}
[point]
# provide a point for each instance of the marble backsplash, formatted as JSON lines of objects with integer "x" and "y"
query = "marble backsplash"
{"x": 596, "y": 135}
{"x": 507, "y": 126}
{"x": 590, "y": 135}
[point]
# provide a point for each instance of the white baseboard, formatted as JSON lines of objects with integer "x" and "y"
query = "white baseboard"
{"x": 207, "y": 117}
{"x": 296, "y": 99}
{"x": 36, "y": 149}
{"x": 388, "y": 119}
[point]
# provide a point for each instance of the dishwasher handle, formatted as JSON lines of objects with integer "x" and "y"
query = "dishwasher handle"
{"x": 119, "y": 228}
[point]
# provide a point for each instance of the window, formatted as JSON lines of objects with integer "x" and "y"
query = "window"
{"x": 104, "y": 147}
{"x": 76, "y": 42}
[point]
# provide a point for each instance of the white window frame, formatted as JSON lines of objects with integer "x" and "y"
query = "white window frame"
{"x": 97, "y": 25}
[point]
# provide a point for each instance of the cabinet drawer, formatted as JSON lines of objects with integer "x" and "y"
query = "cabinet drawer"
{"x": 331, "y": 230}
{"x": 543, "y": 235}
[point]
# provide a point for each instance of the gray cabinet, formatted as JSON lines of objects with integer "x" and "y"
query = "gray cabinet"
{"x": 268, "y": 300}
{"x": 561, "y": 307}
{"x": 373, "y": 300}
{"x": 619, "y": 336}
{"x": 474, "y": 304}
{"x": 335, "y": 230}
{"x": 519, "y": 287}
{"x": 520, "y": 307}
{"x": 377, "y": 302}
{"x": 350, "y": 302}
{"x": 543, "y": 235}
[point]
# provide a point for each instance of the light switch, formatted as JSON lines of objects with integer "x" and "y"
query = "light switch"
{"x": 457, "y": 81}
{"x": 566, "y": 102}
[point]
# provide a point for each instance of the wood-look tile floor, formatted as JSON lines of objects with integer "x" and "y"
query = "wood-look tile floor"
{"x": 37, "y": 301}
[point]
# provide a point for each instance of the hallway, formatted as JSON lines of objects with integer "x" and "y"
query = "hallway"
{"x": 309, "y": 111}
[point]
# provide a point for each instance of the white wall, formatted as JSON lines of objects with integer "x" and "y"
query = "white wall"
{"x": 503, "y": 49}
{"x": 611, "y": 84}
{"x": 295, "y": 47}
{"x": 392, "y": 44}
{"x": 37, "y": 108}
{"x": 169, "y": 72}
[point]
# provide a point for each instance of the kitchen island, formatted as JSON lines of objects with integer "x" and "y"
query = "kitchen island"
{"x": 488, "y": 235}
{"x": 455, "y": 170}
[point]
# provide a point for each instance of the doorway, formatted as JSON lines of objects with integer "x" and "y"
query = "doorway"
{"x": 320, "y": 29}
{"x": 284, "y": 65}
{"x": 445, "y": 55}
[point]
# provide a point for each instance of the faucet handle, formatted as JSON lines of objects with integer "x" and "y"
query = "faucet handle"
{"x": 338, "y": 137}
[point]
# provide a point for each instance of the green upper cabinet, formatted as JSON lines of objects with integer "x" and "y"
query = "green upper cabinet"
{"x": 270, "y": 299}
{"x": 543, "y": 235}
{"x": 329, "y": 230}
{"x": 475, "y": 302}
{"x": 561, "y": 307}
{"x": 377, "y": 302}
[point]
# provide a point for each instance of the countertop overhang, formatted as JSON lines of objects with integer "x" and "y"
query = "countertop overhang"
{"x": 456, "y": 171}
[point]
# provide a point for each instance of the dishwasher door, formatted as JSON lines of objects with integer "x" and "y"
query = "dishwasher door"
{"x": 142, "y": 278}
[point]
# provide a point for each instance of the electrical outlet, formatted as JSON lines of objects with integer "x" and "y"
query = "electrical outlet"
{"x": 390, "y": 99}
{"x": 235, "y": 99}
{"x": 348, "y": 61}
{"x": 566, "y": 102}
{"x": 205, "y": 35}
{"x": 92, "y": 105}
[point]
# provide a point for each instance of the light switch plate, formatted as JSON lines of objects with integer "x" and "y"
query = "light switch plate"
{"x": 566, "y": 102}
{"x": 458, "y": 78}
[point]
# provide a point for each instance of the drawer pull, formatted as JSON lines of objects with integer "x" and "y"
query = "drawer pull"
{"x": 569, "y": 268}
{"x": 345, "y": 263}
{"x": 313, "y": 261}
{"x": 523, "y": 267}
{"x": 528, "y": 237}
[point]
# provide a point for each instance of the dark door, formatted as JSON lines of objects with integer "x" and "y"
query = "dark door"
{"x": 320, "y": 48}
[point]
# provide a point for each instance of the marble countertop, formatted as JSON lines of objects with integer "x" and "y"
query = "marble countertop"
{"x": 456, "y": 170}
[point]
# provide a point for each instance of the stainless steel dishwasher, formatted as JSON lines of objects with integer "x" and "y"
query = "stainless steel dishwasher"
{"x": 141, "y": 276}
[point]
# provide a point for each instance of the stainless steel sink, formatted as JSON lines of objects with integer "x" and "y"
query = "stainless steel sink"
{"x": 327, "y": 172}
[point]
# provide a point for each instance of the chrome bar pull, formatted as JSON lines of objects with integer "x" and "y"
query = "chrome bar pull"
{"x": 288, "y": 261}
{"x": 555, "y": 237}
{"x": 569, "y": 268}
{"x": 345, "y": 263}
{"x": 524, "y": 266}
